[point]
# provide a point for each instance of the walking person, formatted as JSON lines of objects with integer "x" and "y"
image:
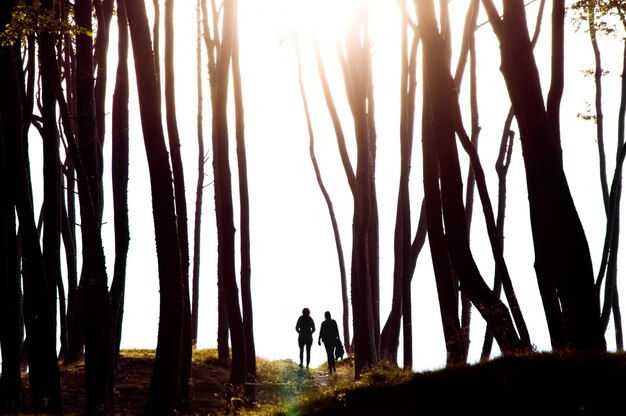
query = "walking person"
{"x": 305, "y": 328}
{"x": 329, "y": 333}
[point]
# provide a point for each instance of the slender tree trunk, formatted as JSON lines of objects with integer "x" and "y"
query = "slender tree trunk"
{"x": 214, "y": 46}
{"x": 195, "y": 300}
{"x": 164, "y": 396}
{"x": 224, "y": 204}
{"x": 44, "y": 376}
{"x": 357, "y": 78}
{"x": 403, "y": 271}
{"x": 244, "y": 216}
{"x": 502, "y": 167}
{"x": 341, "y": 143}
{"x": 119, "y": 173}
{"x": 445, "y": 120}
{"x": 93, "y": 281}
{"x": 180, "y": 200}
{"x": 12, "y": 399}
{"x": 563, "y": 263}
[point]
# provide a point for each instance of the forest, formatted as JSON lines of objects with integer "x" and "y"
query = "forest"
{"x": 61, "y": 304}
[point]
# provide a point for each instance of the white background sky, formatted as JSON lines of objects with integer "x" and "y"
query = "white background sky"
{"x": 294, "y": 262}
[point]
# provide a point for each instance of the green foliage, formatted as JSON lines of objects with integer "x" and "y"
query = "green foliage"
{"x": 29, "y": 20}
{"x": 602, "y": 14}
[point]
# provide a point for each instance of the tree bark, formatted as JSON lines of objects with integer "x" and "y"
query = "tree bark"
{"x": 119, "y": 173}
{"x": 562, "y": 259}
{"x": 224, "y": 204}
{"x": 439, "y": 89}
{"x": 164, "y": 395}
{"x": 12, "y": 399}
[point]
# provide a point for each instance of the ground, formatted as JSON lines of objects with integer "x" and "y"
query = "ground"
{"x": 281, "y": 381}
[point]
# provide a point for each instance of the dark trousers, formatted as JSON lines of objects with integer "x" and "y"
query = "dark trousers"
{"x": 302, "y": 343}
{"x": 330, "y": 356}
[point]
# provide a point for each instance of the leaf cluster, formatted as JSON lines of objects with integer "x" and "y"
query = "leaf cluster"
{"x": 30, "y": 20}
{"x": 600, "y": 13}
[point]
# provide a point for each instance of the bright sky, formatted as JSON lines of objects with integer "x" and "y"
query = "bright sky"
{"x": 294, "y": 262}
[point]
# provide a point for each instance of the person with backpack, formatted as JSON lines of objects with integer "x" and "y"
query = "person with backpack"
{"x": 329, "y": 333}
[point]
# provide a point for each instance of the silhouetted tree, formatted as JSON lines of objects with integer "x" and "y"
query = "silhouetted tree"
{"x": 244, "y": 215}
{"x": 180, "y": 200}
{"x": 213, "y": 45}
{"x": 164, "y": 396}
{"x": 12, "y": 398}
{"x": 562, "y": 260}
{"x": 345, "y": 159}
{"x": 364, "y": 269}
{"x": 119, "y": 173}
{"x": 444, "y": 122}
{"x": 197, "y": 235}
{"x": 224, "y": 200}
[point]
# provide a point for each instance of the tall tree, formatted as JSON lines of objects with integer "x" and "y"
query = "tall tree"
{"x": 38, "y": 306}
{"x": 119, "y": 173}
{"x": 562, "y": 260}
{"x": 195, "y": 289}
{"x": 404, "y": 263}
{"x": 93, "y": 279}
{"x": 445, "y": 120}
{"x": 364, "y": 268}
{"x": 343, "y": 153}
{"x": 164, "y": 396}
{"x": 12, "y": 398}
{"x": 180, "y": 199}
{"x": 244, "y": 214}
{"x": 213, "y": 45}
{"x": 224, "y": 201}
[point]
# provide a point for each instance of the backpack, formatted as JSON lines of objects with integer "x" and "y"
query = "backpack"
{"x": 339, "y": 351}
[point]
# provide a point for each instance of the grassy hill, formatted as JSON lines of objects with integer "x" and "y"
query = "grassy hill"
{"x": 538, "y": 384}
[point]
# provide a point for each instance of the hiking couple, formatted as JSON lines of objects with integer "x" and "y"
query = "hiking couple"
{"x": 329, "y": 333}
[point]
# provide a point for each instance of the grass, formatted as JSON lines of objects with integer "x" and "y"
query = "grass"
{"x": 537, "y": 384}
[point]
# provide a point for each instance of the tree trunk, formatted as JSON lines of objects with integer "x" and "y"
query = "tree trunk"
{"x": 244, "y": 214}
{"x": 563, "y": 263}
{"x": 119, "y": 172}
{"x": 439, "y": 87}
{"x": 93, "y": 280}
{"x": 180, "y": 200}
{"x": 164, "y": 396}
{"x": 357, "y": 78}
{"x": 341, "y": 143}
{"x": 224, "y": 204}
{"x": 44, "y": 376}
{"x": 12, "y": 399}
{"x": 195, "y": 300}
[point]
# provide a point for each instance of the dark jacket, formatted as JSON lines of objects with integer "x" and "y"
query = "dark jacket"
{"x": 305, "y": 327}
{"x": 329, "y": 332}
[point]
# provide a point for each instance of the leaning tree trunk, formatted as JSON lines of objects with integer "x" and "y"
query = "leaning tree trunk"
{"x": 562, "y": 260}
{"x": 351, "y": 182}
{"x": 401, "y": 306}
{"x": 164, "y": 396}
{"x": 439, "y": 86}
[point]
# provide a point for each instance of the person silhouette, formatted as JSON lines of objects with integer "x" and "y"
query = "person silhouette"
{"x": 329, "y": 333}
{"x": 305, "y": 328}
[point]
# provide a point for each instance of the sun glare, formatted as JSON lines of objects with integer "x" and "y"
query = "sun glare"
{"x": 320, "y": 17}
